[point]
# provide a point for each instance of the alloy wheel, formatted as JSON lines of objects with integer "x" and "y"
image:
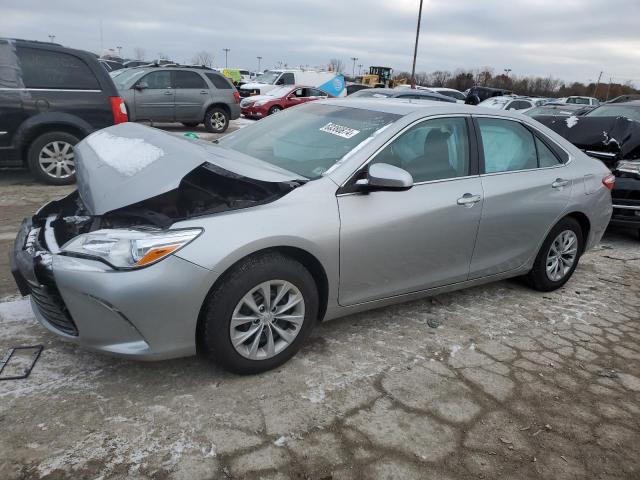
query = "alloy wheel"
{"x": 56, "y": 159}
{"x": 218, "y": 120}
{"x": 562, "y": 255}
{"x": 267, "y": 319}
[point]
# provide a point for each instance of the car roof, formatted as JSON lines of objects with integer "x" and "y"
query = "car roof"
{"x": 632, "y": 103}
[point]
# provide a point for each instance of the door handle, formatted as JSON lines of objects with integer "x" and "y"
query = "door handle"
{"x": 559, "y": 183}
{"x": 168, "y": 93}
{"x": 469, "y": 200}
{"x": 203, "y": 92}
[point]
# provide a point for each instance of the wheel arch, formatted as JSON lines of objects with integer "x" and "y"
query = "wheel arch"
{"x": 585, "y": 225}
{"x": 307, "y": 259}
{"x": 221, "y": 105}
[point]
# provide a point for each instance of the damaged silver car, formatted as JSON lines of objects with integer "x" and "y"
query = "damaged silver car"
{"x": 238, "y": 248}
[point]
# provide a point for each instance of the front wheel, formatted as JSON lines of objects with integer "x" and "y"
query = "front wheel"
{"x": 558, "y": 257}
{"x": 216, "y": 120}
{"x": 275, "y": 109}
{"x": 51, "y": 158}
{"x": 260, "y": 314}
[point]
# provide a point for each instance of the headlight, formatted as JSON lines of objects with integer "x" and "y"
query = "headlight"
{"x": 130, "y": 248}
{"x": 259, "y": 103}
{"x": 629, "y": 166}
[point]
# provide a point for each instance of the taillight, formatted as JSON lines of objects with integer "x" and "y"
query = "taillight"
{"x": 119, "y": 110}
{"x": 236, "y": 95}
{"x": 609, "y": 181}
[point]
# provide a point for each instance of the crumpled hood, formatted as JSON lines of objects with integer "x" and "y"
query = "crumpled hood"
{"x": 253, "y": 99}
{"x": 128, "y": 163}
{"x": 256, "y": 85}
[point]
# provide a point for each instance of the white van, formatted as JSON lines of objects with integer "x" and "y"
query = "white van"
{"x": 330, "y": 82}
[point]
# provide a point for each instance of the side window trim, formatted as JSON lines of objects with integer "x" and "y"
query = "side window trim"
{"x": 474, "y": 153}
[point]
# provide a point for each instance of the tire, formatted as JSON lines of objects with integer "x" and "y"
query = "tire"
{"x": 53, "y": 151}
{"x": 539, "y": 277}
{"x": 190, "y": 124}
{"x": 216, "y": 120}
{"x": 275, "y": 109}
{"x": 216, "y": 330}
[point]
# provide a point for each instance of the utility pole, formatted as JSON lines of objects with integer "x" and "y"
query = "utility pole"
{"x": 259, "y": 59}
{"x": 353, "y": 70}
{"x": 226, "y": 53}
{"x": 595, "y": 90}
{"x": 608, "y": 89}
{"x": 415, "y": 50}
{"x": 52, "y": 38}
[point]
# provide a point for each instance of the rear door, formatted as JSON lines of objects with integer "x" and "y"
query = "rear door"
{"x": 397, "y": 242}
{"x": 526, "y": 188}
{"x": 155, "y": 97}
{"x": 192, "y": 92}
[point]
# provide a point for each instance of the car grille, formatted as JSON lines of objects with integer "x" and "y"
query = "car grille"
{"x": 247, "y": 93}
{"x": 52, "y": 308}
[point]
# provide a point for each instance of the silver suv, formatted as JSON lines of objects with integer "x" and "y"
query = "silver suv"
{"x": 179, "y": 94}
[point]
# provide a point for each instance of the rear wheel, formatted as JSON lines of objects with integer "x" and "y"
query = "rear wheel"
{"x": 260, "y": 314}
{"x": 190, "y": 124}
{"x": 216, "y": 120}
{"x": 51, "y": 158}
{"x": 558, "y": 257}
{"x": 275, "y": 109}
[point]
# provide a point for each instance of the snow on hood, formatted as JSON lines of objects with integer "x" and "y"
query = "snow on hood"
{"x": 571, "y": 121}
{"x": 128, "y": 163}
{"x": 255, "y": 98}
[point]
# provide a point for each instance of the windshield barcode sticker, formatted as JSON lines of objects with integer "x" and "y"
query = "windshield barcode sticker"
{"x": 339, "y": 130}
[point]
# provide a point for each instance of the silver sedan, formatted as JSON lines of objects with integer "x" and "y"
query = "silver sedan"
{"x": 237, "y": 248}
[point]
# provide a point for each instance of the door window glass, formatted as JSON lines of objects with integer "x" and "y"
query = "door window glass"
{"x": 432, "y": 150}
{"x": 55, "y": 70}
{"x": 546, "y": 158}
{"x": 219, "y": 81}
{"x": 507, "y": 146}
{"x": 157, "y": 80}
{"x": 189, "y": 80}
{"x": 518, "y": 105}
{"x": 287, "y": 79}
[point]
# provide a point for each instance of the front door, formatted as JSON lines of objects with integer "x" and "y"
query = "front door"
{"x": 396, "y": 242}
{"x": 155, "y": 97}
{"x": 526, "y": 188}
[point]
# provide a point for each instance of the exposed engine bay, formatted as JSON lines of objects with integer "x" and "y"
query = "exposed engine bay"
{"x": 206, "y": 190}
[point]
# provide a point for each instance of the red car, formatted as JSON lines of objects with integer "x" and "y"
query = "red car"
{"x": 278, "y": 99}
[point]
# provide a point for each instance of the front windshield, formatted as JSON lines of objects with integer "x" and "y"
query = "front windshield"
{"x": 268, "y": 77}
{"x": 127, "y": 75}
{"x": 616, "y": 111}
{"x": 310, "y": 139}
{"x": 279, "y": 92}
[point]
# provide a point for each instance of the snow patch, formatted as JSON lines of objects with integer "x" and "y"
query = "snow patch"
{"x": 571, "y": 121}
{"x": 316, "y": 396}
{"x": 280, "y": 442}
{"x": 455, "y": 349}
{"x": 125, "y": 155}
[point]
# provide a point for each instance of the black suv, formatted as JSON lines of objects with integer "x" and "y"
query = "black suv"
{"x": 50, "y": 98}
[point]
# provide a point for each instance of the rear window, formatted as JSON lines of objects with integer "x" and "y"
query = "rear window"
{"x": 55, "y": 70}
{"x": 218, "y": 81}
{"x": 189, "y": 80}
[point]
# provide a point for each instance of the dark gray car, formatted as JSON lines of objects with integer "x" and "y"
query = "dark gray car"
{"x": 179, "y": 94}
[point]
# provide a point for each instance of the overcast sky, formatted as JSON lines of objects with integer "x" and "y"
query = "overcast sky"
{"x": 569, "y": 39}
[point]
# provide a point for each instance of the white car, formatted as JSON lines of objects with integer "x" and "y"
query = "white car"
{"x": 521, "y": 104}
{"x": 457, "y": 95}
{"x": 594, "y": 102}
{"x": 330, "y": 82}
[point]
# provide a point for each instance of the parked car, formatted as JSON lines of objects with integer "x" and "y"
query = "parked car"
{"x": 52, "y": 97}
{"x": 512, "y": 103}
{"x": 475, "y": 95}
{"x": 135, "y": 63}
{"x": 405, "y": 93}
{"x": 457, "y": 95}
{"x": 237, "y": 249}
{"x": 355, "y": 87}
{"x": 624, "y": 98}
{"x": 110, "y": 65}
{"x": 610, "y": 133}
{"x": 559, "y": 110}
{"x": 582, "y": 100}
{"x": 331, "y": 82}
{"x": 179, "y": 94}
{"x": 277, "y": 100}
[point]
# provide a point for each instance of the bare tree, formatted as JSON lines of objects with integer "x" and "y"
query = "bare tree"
{"x": 336, "y": 65}
{"x": 439, "y": 78}
{"x": 139, "y": 52}
{"x": 203, "y": 58}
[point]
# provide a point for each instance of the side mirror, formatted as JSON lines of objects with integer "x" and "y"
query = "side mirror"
{"x": 141, "y": 85}
{"x": 382, "y": 176}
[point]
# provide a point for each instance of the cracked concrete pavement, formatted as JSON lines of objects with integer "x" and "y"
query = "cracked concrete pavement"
{"x": 512, "y": 384}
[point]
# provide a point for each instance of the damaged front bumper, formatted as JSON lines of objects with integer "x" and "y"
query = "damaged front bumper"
{"x": 149, "y": 314}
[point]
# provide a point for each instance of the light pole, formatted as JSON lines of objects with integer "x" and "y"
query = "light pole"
{"x": 359, "y": 69}
{"x": 226, "y": 53}
{"x": 119, "y": 50}
{"x": 507, "y": 71}
{"x": 415, "y": 50}
{"x": 353, "y": 70}
{"x": 259, "y": 59}
{"x": 52, "y": 38}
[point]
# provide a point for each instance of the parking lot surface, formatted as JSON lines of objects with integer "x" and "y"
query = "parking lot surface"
{"x": 492, "y": 382}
